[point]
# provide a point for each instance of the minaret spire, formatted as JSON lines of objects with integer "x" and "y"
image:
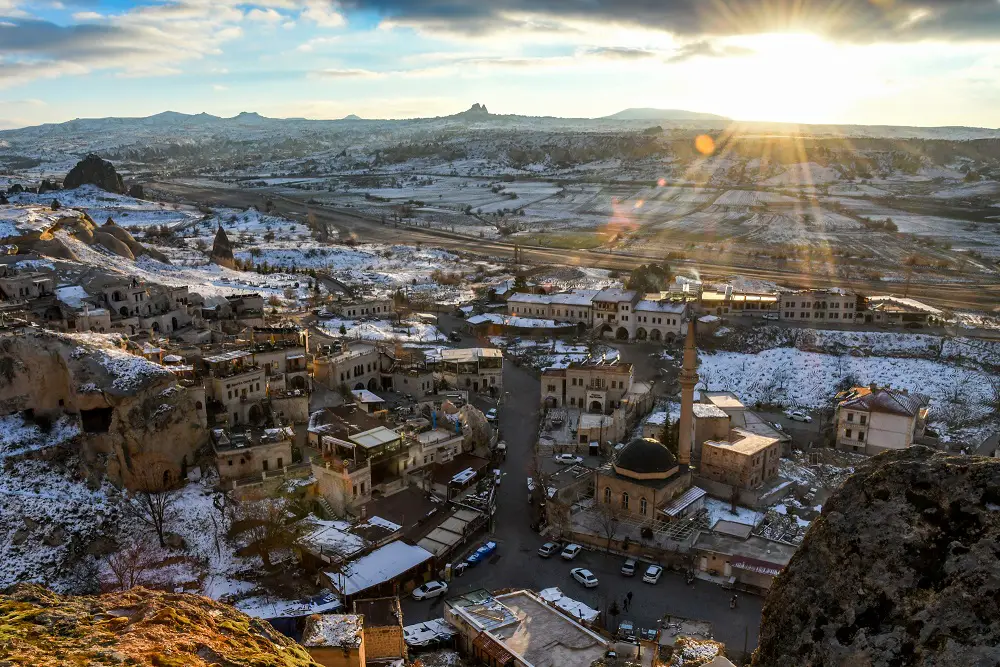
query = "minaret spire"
{"x": 688, "y": 379}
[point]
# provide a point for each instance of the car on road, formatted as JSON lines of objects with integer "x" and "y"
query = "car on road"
{"x": 549, "y": 549}
{"x": 798, "y": 416}
{"x": 497, "y": 476}
{"x": 431, "y": 589}
{"x": 628, "y": 569}
{"x": 491, "y": 414}
{"x": 455, "y": 337}
{"x": 626, "y": 630}
{"x": 571, "y": 551}
{"x": 568, "y": 459}
{"x": 770, "y": 316}
{"x": 482, "y": 553}
{"x": 585, "y": 577}
{"x": 652, "y": 575}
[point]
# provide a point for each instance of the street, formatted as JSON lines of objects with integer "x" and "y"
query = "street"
{"x": 517, "y": 564}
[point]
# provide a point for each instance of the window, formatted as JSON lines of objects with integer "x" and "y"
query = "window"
{"x": 230, "y": 462}
{"x": 607, "y": 493}
{"x": 861, "y": 436}
{"x": 572, "y": 401}
{"x": 643, "y": 506}
{"x": 864, "y": 418}
{"x": 551, "y": 387}
{"x": 847, "y": 433}
{"x": 265, "y": 465}
{"x": 624, "y": 501}
{"x": 280, "y": 461}
{"x": 850, "y": 416}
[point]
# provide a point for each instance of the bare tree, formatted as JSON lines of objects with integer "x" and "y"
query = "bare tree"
{"x": 151, "y": 498}
{"x": 609, "y": 518}
{"x": 130, "y": 565}
{"x": 262, "y": 525}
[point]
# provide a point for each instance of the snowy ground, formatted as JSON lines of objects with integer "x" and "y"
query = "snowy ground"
{"x": 551, "y": 353}
{"x": 412, "y": 331}
{"x": 793, "y": 378}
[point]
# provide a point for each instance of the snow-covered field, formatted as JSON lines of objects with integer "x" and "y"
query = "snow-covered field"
{"x": 791, "y": 377}
{"x": 411, "y": 331}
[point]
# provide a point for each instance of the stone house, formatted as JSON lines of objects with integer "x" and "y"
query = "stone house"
{"x": 744, "y": 460}
{"x": 382, "y": 622}
{"x": 594, "y": 385}
{"x": 382, "y": 308}
{"x": 834, "y": 305}
{"x": 251, "y": 452}
{"x": 474, "y": 369}
{"x": 358, "y": 366}
{"x": 642, "y": 479}
{"x": 335, "y": 640}
{"x": 874, "y": 419}
{"x": 614, "y": 313}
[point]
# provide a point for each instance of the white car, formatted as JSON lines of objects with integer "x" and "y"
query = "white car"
{"x": 491, "y": 414}
{"x": 652, "y": 575}
{"x": 431, "y": 589}
{"x": 568, "y": 459}
{"x": 798, "y": 416}
{"x": 571, "y": 551}
{"x": 585, "y": 577}
{"x": 497, "y": 476}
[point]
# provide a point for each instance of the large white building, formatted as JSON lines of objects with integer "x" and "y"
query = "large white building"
{"x": 874, "y": 419}
{"x": 827, "y": 305}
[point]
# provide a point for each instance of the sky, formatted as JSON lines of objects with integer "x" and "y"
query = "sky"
{"x": 893, "y": 62}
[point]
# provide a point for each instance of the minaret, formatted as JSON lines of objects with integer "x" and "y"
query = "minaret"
{"x": 688, "y": 380}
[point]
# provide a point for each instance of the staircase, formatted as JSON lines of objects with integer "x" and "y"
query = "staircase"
{"x": 325, "y": 509}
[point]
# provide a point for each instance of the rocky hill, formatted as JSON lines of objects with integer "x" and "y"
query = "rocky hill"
{"x": 95, "y": 171}
{"x": 902, "y": 568}
{"x": 138, "y": 627}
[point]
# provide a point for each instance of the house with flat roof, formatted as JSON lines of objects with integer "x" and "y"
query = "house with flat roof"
{"x": 744, "y": 460}
{"x": 520, "y": 629}
{"x": 335, "y": 640}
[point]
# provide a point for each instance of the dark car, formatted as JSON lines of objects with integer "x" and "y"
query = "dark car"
{"x": 455, "y": 337}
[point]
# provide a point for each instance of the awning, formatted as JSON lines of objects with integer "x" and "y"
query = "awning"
{"x": 754, "y": 565}
{"x": 492, "y": 648}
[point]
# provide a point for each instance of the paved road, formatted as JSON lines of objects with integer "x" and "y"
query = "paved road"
{"x": 519, "y": 566}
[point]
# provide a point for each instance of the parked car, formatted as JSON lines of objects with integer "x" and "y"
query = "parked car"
{"x": 455, "y": 337}
{"x": 491, "y": 414}
{"x": 798, "y": 416}
{"x": 571, "y": 551}
{"x": 481, "y": 553}
{"x": 770, "y": 316}
{"x": 548, "y": 549}
{"x": 568, "y": 459}
{"x": 585, "y": 577}
{"x": 431, "y": 589}
{"x": 626, "y": 630}
{"x": 652, "y": 575}
{"x": 628, "y": 569}
{"x": 497, "y": 476}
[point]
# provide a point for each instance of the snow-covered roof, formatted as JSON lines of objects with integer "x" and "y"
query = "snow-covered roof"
{"x": 471, "y": 354}
{"x": 882, "y": 302}
{"x": 614, "y": 294}
{"x": 876, "y": 399}
{"x": 580, "y": 297}
{"x": 657, "y": 418}
{"x": 527, "y": 297}
{"x": 333, "y": 630}
{"x": 685, "y": 500}
{"x": 661, "y": 306}
{"x": 422, "y": 633}
{"x": 708, "y": 319}
{"x": 72, "y": 295}
{"x": 574, "y": 608}
{"x": 382, "y": 565}
{"x": 365, "y": 396}
{"x": 706, "y": 410}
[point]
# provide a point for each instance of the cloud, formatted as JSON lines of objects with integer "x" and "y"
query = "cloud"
{"x": 321, "y": 13}
{"x": 620, "y": 52}
{"x": 218, "y": 87}
{"x": 706, "y": 49}
{"x": 87, "y": 16}
{"x": 347, "y": 74}
{"x": 267, "y": 15}
{"x": 847, "y": 20}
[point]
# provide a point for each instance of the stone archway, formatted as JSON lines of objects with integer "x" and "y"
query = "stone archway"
{"x": 595, "y": 406}
{"x": 298, "y": 382}
{"x": 255, "y": 415}
{"x": 173, "y": 324}
{"x": 640, "y": 334}
{"x": 359, "y": 386}
{"x": 551, "y": 402}
{"x": 123, "y": 311}
{"x": 156, "y": 327}
{"x": 622, "y": 333}
{"x": 671, "y": 337}
{"x": 655, "y": 335}
{"x": 372, "y": 385}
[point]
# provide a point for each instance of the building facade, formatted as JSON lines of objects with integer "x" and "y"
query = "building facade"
{"x": 823, "y": 305}
{"x": 875, "y": 419}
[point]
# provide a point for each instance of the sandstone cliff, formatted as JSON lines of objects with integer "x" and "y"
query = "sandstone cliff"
{"x": 139, "y": 627}
{"x": 131, "y": 412}
{"x": 902, "y": 568}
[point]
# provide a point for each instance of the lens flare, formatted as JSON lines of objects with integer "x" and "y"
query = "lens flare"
{"x": 639, "y": 204}
{"x": 704, "y": 144}
{"x": 661, "y": 183}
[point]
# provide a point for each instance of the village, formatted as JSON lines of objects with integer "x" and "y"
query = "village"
{"x": 393, "y": 461}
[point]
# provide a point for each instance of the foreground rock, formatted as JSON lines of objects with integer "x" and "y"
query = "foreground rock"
{"x": 902, "y": 568}
{"x": 139, "y": 627}
{"x": 95, "y": 171}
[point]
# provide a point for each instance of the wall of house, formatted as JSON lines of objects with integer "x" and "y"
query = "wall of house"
{"x": 339, "y": 657}
{"x": 886, "y": 431}
{"x": 248, "y": 461}
{"x": 292, "y": 409}
{"x": 384, "y": 642}
{"x": 414, "y": 386}
{"x": 338, "y": 486}
{"x": 707, "y": 428}
{"x": 636, "y": 493}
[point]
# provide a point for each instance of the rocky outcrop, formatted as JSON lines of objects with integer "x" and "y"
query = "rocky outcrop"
{"x": 95, "y": 171}
{"x": 222, "y": 250}
{"x": 901, "y": 568}
{"x": 109, "y": 242}
{"x": 137, "y": 627}
{"x": 132, "y": 414}
{"x": 136, "y": 191}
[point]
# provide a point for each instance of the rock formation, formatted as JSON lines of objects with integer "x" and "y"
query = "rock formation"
{"x": 95, "y": 171}
{"x": 137, "y": 627}
{"x": 131, "y": 412}
{"x": 222, "y": 251}
{"x": 901, "y": 568}
{"x": 136, "y": 191}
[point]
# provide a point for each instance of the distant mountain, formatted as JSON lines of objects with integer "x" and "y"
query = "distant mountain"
{"x": 351, "y": 117}
{"x": 662, "y": 114}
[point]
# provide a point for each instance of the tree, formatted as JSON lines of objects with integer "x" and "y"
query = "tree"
{"x": 262, "y": 525}
{"x": 670, "y": 435}
{"x": 343, "y": 329}
{"x": 129, "y": 565}
{"x": 609, "y": 519}
{"x": 152, "y": 497}
{"x": 613, "y": 612}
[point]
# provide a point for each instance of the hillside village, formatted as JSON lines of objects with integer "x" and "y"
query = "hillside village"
{"x": 390, "y": 451}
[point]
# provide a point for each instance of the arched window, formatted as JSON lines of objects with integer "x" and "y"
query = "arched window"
{"x": 624, "y": 501}
{"x": 642, "y": 506}
{"x": 607, "y": 494}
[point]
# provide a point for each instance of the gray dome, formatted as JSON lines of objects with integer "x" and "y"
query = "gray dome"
{"x": 645, "y": 456}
